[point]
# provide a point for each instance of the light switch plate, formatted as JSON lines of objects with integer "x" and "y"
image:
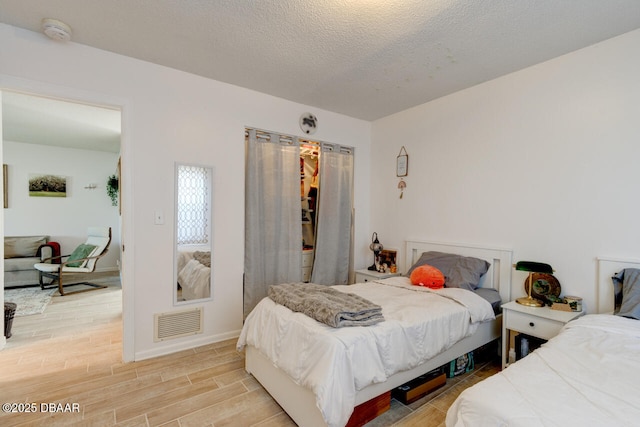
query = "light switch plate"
{"x": 159, "y": 218}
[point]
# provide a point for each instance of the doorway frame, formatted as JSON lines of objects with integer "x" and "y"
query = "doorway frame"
{"x": 48, "y": 90}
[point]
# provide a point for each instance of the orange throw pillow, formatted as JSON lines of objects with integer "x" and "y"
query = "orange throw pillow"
{"x": 428, "y": 276}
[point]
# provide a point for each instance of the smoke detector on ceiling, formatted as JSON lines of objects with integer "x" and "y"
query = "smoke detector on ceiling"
{"x": 56, "y": 30}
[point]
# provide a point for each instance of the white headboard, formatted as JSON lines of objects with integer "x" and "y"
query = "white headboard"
{"x": 498, "y": 276}
{"x": 607, "y": 267}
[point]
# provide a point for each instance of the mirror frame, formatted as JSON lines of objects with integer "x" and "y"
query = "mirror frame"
{"x": 211, "y": 169}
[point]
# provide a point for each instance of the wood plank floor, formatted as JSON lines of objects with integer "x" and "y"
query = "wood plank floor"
{"x": 69, "y": 358}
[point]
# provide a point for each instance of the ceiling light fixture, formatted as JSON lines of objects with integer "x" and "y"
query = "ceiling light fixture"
{"x": 56, "y": 30}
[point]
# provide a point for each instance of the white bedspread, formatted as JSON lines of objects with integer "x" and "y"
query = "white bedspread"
{"x": 195, "y": 279}
{"x": 336, "y": 362}
{"x": 588, "y": 375}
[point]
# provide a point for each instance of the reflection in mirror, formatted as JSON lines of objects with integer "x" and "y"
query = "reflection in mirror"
{"x": 193, "y": 233}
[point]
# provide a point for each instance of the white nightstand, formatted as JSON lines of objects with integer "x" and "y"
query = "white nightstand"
{"x": 368, "y": 275}
{"x": 540, "y": 322}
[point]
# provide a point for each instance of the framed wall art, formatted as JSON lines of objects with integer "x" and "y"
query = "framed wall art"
{"x": 42, "y": 185}
{"x": 402, "y": 163}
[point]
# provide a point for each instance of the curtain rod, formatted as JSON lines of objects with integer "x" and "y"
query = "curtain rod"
{"x": 261, "y": 133}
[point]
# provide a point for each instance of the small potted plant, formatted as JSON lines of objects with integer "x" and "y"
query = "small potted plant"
{"x": 112, "y": 189}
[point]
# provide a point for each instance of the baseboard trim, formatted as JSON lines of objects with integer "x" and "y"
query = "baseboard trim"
{"x": 184, "y": 345}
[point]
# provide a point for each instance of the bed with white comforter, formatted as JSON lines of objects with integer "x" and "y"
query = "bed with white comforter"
{"x": 337, "y": 362}
{"x": 588, "y": 375}
{"x": 194, "y": 274}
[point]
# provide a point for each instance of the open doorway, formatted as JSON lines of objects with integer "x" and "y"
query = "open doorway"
{"x": 80, "y": 144}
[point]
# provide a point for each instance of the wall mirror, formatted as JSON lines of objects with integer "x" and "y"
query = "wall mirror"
{"x": 193, "y": 236}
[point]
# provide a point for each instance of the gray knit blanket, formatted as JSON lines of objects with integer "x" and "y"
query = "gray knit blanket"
{"x": 326, "y": 305}
{"x": 203, "y": 258}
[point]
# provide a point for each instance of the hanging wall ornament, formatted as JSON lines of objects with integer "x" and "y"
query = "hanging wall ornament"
{"x": 402, "y": 169}
{"x": 402, "y": 163}
{"x": 402, "y": 185}
{"x": 308, "y": 123}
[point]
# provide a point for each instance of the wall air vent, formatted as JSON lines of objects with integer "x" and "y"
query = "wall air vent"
{"x": 177, "y": 324}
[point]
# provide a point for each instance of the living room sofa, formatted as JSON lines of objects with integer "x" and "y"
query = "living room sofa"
{"x": 20, "y": 254}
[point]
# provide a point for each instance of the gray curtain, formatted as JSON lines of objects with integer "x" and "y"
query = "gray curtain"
{"x": 273, "y": 230}
{"x": 334, "y": 237}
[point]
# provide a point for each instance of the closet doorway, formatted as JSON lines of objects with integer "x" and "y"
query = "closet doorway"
{"x": 298, "y": 212}
{"x": 309, "y": 185}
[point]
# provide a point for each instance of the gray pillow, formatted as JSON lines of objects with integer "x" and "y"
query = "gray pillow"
{"x": 459, "y": 271}
{"x": 492, "y": 296}
{"x": 628, "y": 280}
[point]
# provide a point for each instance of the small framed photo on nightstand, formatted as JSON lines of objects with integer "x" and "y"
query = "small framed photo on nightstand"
{"x": 389, "y": 257}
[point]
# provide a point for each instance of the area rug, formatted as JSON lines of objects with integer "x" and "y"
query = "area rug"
{"x": 29, "y": 301}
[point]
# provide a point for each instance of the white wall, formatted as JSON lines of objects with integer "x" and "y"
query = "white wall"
{"x": 542, "y": 161}
{"x": 171, "y": 116}
{"x": 64, "y": 219}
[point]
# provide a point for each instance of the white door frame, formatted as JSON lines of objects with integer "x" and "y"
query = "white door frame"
{"x": 36, "y": 88}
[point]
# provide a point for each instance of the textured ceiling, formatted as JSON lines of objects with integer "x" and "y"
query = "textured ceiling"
{"x": 363, "y": 58}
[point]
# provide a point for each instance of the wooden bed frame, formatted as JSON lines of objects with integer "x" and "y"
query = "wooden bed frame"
{"x": 300, "y": 402}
